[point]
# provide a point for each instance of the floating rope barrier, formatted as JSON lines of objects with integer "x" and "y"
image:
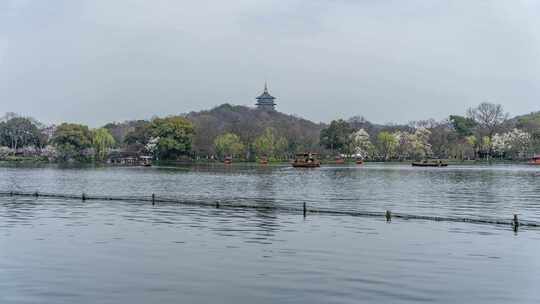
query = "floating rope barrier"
{"x": 153, "y": 198}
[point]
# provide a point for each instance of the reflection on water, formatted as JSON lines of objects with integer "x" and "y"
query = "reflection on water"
{"x": 56, "y": 251}
{"x": 59, "y": 251}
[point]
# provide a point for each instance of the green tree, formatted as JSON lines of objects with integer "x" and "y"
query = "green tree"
{"x": 464, "y": 126}
{"x": 72, "y": 141}
{"x": 18, "y": 132}
{"x": 386, "y": 144}
{"x": 102, "y": 141}
{"x": 228, "y": 144}
{"x": 281, "y": 147}
{"x": 530, "y": 123}
{"x": 174, "y": 136}
{"x": 270, "y": 144}
{"x": 138, "y": 139}
{"x": 337, "y": 136}
{"x": 485, "y": 146}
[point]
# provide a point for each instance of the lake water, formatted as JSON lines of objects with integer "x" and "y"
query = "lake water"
{"x": 69, "y": 251}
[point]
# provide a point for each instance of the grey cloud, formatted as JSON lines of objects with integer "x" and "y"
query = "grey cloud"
{"x": 98, "y": 61}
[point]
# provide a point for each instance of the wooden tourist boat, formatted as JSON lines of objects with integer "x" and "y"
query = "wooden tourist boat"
{"x": 228, "y": 160}
{"x": 263, "y": 161}
{"x": 126, "y": 159}
{"x": 359, "y": 161}
{"x": 535, "y": 160}
{"x": 306, "y": 160}
{"x": 426, "y": 163}
{"x": 339, "y": 160}
{"x": 145, "y": 161}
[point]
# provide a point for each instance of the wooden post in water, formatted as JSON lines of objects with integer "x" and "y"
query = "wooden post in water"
{"x": 153, "y": 199}
{"x": 515, "y": 222}
{"x": 305, "y": 209}
{"x": 217, "y": 205}
{"x": 36, "y": 194}
{"x": 388, "y": 215}
{"x": 83, "y": 197}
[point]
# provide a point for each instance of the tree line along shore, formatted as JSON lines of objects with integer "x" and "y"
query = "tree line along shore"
{"x": 485, "y": 132}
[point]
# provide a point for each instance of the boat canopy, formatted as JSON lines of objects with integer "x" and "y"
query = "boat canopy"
{"x": 306, "y": 154}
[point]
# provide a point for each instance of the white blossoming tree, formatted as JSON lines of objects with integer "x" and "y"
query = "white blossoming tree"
{"x": 361, "y": 144}
{"x": 405, "y": 144}
{"x": 422, "y": 147}
{"x": 413, "y": 145}
{"x": 151, "y": 146}
{"x": 513, "y": 144}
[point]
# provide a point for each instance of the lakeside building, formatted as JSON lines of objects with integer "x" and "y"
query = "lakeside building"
{"x": 265, "y": 101}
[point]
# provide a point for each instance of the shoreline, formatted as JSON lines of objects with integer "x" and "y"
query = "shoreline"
{"x": 37, "y": 161}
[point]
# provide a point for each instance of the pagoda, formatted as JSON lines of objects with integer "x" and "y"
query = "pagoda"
{"x": 265, "y": 101}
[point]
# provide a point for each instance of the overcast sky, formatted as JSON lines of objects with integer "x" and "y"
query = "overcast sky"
{"x": 94, "y": 61}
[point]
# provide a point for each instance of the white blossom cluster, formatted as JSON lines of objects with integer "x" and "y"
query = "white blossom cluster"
{"x": 515, "y": 141}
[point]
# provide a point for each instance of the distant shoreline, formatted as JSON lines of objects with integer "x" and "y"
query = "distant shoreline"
{"x": 39, "y": 161}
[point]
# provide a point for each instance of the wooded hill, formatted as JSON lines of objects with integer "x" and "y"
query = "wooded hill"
{"x": 249, "y": 124}
{"x": 529, "y": 122}
{"x": 246, "y": 133}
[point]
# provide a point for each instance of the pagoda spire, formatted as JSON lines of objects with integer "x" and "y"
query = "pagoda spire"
{"x": 265, "y": 101}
